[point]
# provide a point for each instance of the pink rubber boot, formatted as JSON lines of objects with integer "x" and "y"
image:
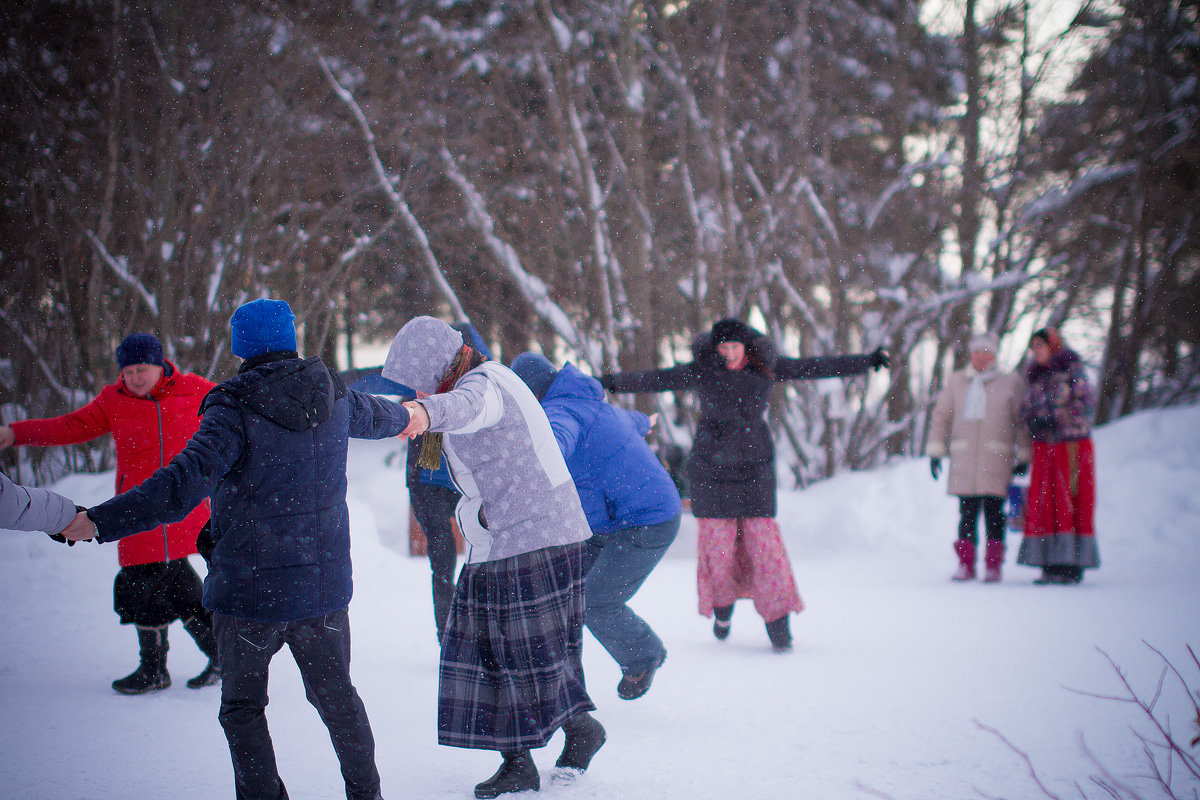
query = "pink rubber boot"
{"x": 966, "y": 560}
{"x": 993, "y": 559}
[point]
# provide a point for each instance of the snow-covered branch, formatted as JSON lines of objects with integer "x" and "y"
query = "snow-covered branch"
{"x": 120, "y": 268}
{"x": 532, "y": 288}
{"x": 73, "y": 397}
{"x": 388, "y": 185}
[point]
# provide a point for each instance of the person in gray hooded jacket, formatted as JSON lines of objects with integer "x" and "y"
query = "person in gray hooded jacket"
{"x": 511, "y": 670}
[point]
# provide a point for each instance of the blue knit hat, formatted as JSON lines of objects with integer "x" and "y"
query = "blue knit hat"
{"x": 262, "y": 326}
{"x": 537, "y": 372}
{"x": 140, "y": 348}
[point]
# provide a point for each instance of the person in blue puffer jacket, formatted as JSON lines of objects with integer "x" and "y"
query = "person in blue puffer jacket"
{"x": 631, "y": 504}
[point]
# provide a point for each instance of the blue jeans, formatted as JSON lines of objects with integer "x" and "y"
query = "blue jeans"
{"x": 616, "y": 565}
{"x": 321, "y": 648}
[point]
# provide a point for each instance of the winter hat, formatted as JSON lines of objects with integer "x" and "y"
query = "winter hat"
{"x": 731, "y": 330}
{"x": 262, "y": 326}
{"x": 537, "y": 372}
{"x": 1051, "y": 337}
{"x": 985, "y": 341}
{"x": 140, "y": 348}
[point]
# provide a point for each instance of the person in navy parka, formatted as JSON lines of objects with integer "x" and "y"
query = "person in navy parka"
{"x": 271, "y": 453}
{"x": 631, "y": 503}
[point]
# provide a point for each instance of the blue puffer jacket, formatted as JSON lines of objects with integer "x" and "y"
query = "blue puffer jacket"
{"x": 620, "y": 481}
{"x": 271, "y": 452}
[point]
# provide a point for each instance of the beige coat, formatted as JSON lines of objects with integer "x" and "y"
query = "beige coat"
{"x": 982, "y": 452}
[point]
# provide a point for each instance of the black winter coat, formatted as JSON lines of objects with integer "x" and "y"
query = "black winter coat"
{"x": 731, "y": 469}
{"x": 271, "y": 452}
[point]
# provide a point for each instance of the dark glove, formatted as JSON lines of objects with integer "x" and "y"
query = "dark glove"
{"x": 1041, "y": 424}
{"x": 880, "y": 359}
{"x": 935, "y": 467}
{"x": 1021, "y": 468}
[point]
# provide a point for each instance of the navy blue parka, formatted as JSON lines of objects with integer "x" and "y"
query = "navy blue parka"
{"x": 271, "y": 453}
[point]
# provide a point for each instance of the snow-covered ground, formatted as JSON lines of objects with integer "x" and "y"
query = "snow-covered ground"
{"x": 895, "y": 668}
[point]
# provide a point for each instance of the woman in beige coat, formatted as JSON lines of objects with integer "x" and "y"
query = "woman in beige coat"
{"x": 977, "y": 422}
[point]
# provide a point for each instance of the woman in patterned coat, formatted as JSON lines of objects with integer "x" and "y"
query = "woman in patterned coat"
{"x": 1060, "y": 527}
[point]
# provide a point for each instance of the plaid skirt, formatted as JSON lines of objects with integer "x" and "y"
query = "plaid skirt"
{"x": 511, "y": 671}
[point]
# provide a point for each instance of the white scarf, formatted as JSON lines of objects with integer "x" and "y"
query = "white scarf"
{"x": 975, "y": 404}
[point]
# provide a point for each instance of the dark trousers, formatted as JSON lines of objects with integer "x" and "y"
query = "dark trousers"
{"x": 616, "y": 565}
{"x": 153, "y": 595}
{"x": 433, "y": 506}
{"x": 321, "y": 648}
{"x": 993, "y": 517}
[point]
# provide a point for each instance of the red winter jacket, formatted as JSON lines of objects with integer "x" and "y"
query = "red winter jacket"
{"x": 148, "y": 432}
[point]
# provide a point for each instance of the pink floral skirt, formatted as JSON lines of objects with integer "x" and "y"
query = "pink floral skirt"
{"x": 745, "y": 558}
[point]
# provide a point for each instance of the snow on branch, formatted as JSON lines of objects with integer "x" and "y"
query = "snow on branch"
{"x": 74, "y": 397}
{"x": 1054, "y": 201}
{"x": 388, "y": 184}
{"x": 819, "y": 209}
{"x": 120, "y": 267}
{"x": 532, "y": 288}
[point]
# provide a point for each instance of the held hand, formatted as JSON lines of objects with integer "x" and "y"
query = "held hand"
{"x": 7, "y": 437}
{"x": 81, "y": 528}
{"x": 935, "y": 467}
{"x": 880, "y": 359}
{"x": 1021, "y": 468}
{"x": 418, "y": 420}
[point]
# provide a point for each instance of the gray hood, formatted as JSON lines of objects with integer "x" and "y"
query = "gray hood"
{"x": 421, "y": 353}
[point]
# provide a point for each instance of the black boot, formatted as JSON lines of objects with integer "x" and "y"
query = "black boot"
{"x": 780, "y": 633}
{"x": 518, "y": 773}
{"x": 151, "y": 675}
{"x": 722, "y": 619}
{"x": 585, "y": 736}
{"x": 200, "y": 628}
{"x": 633, "y": 686}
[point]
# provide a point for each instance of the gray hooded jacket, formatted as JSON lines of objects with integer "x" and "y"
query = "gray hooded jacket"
{"x": 517, "y": 493}
{"x": 24, "y": 508}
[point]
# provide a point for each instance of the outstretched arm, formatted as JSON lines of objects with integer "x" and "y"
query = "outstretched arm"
{"x": 792, "y": 369}
{"x": 672, "y": 379}
{"x": 28, "y": 508}
{"x": 373, "y": 417}
{"x": 81, "y": 425}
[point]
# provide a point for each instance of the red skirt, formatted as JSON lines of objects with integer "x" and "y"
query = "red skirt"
{"x": 1060, "y": 507}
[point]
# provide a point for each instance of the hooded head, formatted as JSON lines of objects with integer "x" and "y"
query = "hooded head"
{"x": 421, "y": 354}
{"x": 262, "y": 326}
{"x": 140, "y": 348}
{"x": 537, "y": 372}
{"x": 1051, "y": 337}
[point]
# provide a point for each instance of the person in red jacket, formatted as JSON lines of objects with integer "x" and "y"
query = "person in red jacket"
{"x": 151, "y": 411}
